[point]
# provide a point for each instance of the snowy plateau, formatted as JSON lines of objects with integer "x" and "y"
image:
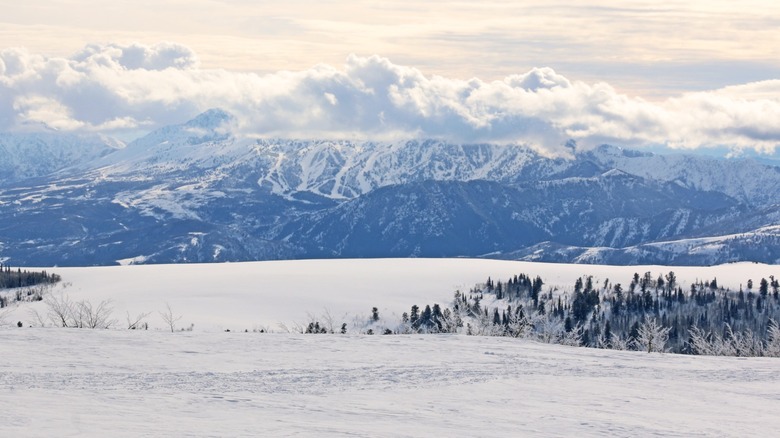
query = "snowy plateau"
{"x": 210, "y": 382}
{"x": 197, "y": 192}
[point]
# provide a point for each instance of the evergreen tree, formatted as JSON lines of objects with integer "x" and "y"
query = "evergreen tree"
{"x": 763, "y": 288}
{"x": 437, "y": 318}
{"x": 414, "y": 316}
{"x": 671, "y": 280}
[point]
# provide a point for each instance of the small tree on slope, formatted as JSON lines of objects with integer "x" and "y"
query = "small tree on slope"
{"x": 652, "y": 336}
{"x": 170, "y": 318}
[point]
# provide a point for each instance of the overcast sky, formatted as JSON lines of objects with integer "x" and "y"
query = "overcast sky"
{"x": 686, "y": 74}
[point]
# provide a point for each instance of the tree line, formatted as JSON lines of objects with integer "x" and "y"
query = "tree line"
{"x": 651, "y": 313}
{"x": 15, "y": 278}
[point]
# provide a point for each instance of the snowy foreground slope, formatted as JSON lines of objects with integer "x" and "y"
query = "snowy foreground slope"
{"x": 152, "y": 383}
{"x": 208, "y": 382}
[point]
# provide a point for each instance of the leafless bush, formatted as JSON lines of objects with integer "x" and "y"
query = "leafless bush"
{"x": 518, "y": 326}
{"x": 618, "y": 343}
{"x": 652, "y": 336}
{"x": 62, "y": 312}
{"x": 95, "y": 316}
{"x": 137, "y": 321}
{"x": 547, "y": 330}
{"x": 735, "y": 343}
{"x": 170, "y": 318}
{"x": 773, "y": 340}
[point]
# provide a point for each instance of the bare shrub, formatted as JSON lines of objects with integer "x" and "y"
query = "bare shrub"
{"x": 170, "y": 318}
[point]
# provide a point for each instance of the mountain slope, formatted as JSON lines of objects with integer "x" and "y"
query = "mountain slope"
{"x": 34, "y": 154}
{"x": 437, "y": 218}
{"x": 760, "y": 244}
{"x": 198, "y": 192}
{"x": 746, "y": 180}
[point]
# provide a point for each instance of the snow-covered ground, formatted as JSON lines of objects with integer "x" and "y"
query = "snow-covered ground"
{"x": 244, "y": 296}
{"x": 57, "y": 382}
{"x": 80, "y": 382}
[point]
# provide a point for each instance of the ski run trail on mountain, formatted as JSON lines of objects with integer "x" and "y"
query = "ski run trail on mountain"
{"x": 56, "y": 382}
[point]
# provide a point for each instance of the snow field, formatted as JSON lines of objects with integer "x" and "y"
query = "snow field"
{"x": 81, "y": 382}
{"x": 246, "y": 296}
{"x": 152, "y": 383}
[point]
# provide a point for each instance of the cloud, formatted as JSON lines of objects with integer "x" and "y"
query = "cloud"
{"x": 137, "y": 56}
{"x": 134, "y": 88}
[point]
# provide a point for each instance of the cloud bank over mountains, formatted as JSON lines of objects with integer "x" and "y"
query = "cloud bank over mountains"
{"x": 130, "y": 89}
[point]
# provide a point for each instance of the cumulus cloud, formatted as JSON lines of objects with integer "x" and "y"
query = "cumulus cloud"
{"x": 137, "y": 56}
{"x": 114, "y": 88}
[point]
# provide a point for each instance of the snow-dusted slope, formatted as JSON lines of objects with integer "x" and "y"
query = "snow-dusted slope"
{"x": 34, "y": 154}
{"x": 202, "y": 142}
{"x": 205, "y": 150}
{"x": 347, "y": 169}
{"x": 760, "y": 244}
{"x": 744, "y": 179}
{"x": 337, "y": 170}
{"x": 440, "y": 218}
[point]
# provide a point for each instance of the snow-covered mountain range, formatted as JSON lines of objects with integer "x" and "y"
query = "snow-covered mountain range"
{"x": 44, "y": 151}
{"x": 197, "y": 192}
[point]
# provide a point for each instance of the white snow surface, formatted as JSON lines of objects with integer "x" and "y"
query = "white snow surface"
{"x": 60, "y": 382}
{"x": 81, "y": 382}
{"x": 244, "y": 296}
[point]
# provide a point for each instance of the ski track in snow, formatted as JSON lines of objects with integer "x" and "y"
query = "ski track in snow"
{"x": 153, "y": 383}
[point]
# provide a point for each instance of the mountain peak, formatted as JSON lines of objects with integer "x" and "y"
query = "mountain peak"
{"x": 211, "y": 119}
{"x": 209, "y": 126}
{"x": 617, "y": 151}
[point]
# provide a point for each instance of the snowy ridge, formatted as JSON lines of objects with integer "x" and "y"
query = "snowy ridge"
{"x": 332, "y": 169}
{"x": 254, "y": 199}
{"x": 762, "y": 243}
{"x": 345, "y": 170}
{"x": 34, "y": 154}
{"x": 744, "y": 179}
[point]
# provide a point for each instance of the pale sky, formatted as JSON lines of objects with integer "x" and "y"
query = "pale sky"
{"x": 657, "y": 55}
